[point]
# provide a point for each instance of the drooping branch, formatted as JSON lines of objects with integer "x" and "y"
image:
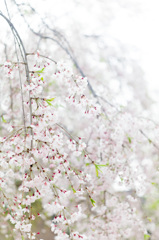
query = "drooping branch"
{"x": 24, "y": 56}
{"x": 66, "y": 48}
{"x": 63, "y": 43}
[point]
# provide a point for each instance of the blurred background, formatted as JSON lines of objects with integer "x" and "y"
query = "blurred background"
{"x": 113, "y": 42}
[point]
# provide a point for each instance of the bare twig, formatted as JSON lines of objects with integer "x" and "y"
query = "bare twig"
{"x": 150, "y": 141}
{"x": 19, "y": 40}
{"x": 43, "y": 57}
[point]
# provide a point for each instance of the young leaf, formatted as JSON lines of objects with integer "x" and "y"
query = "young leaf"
{"x": 23, "y": 238}
{"x": 48, "y": 102}
{"x": 146, "y": 237}
{"x": 149, "y": 219}
{"x": 51, "y": 99}
{"x": 129, "y": 139}
{"x": 93, "y": 202}
{"x": 153, "y": 183}
{"x": 149, "y": 140}
{"x": 3, "y": 119}
{"x": 87, "y": 164}
{"x": 97, "y": 168}
{"x": 73, "y": 190}
{"x": 40, "y": 71}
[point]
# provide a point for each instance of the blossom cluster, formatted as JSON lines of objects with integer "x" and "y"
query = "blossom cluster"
{"x": 71, "y": 159}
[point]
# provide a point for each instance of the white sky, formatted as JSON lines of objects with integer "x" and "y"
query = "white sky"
{"x": 142, "y": 30}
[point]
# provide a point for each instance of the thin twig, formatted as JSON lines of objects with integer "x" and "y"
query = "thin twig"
{"x": 42, "y": 56}
{"x": 16, "y": 34}
{"x": 150, "y": 141}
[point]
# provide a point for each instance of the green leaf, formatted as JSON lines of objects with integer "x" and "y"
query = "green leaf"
{"x": 51, "y": 99}
{"x": 146, "y": 236}
{"x": 93, "y": 202}
{"x": 149, "y": 219}
{"x": 149, "y": 140}
{"x": 73, "y": 190}
{"x": 87, "y": 164}
{"x": 23, "y": 238}
{"x": 97, "y": 168}
{"x": 129, "y": 139}
{"x": 49, "y": 103}
{"x": 40, "y": 71}
{"x": 3, "y": 119}
{"x": 42, "y": 79}
{"x": 155, "y": 205}
{"x": 153, "y": 183}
